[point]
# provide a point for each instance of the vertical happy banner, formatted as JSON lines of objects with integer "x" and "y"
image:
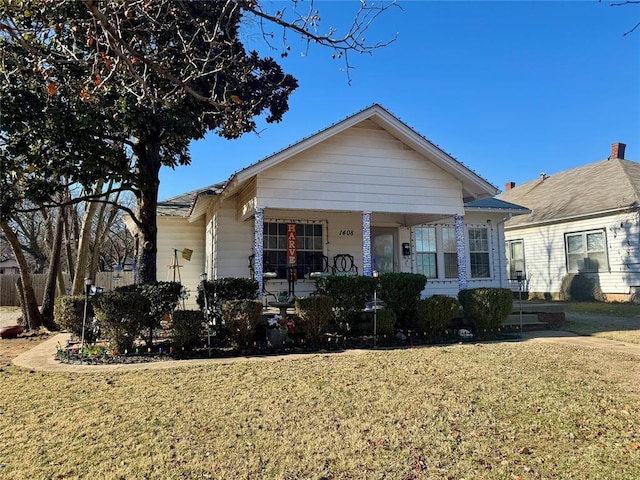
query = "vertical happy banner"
{"x": 292, "y": 244}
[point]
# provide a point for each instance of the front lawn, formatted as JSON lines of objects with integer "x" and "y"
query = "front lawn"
{"x": 493, "y": 411}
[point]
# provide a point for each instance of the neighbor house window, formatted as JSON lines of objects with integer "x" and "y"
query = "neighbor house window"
{"x": 426, "y": 251}
{"x": 586, "y": 252}
{"x": 479, "y": 252}
{"x": 515, "y": 258}
{"x": 308, "y": 241}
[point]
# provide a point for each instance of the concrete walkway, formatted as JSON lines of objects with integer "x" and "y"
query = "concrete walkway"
{"x": 42, "y": 356}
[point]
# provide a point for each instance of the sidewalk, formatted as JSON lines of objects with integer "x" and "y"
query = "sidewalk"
{"x": 42, "y": 357}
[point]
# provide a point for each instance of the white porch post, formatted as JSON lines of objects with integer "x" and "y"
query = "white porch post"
{"x": 258, "y": 247}
{"x": 461, "y": 251}
{"x": 366, "y": 244}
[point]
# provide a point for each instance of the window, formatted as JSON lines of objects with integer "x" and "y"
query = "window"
{"x": 479, "y": 252}
{"x": 436, "y": 252}
{"x": 308, "y": 241}
{"x": 426, "y": 251}
{"x": 586, "y": 252}
{"x": 515, "y": 257}
{"x": 450, "y": 249}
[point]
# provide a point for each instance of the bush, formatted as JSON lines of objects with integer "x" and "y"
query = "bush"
{"x": 241, "y": 318}
{"x": 187, "y": 328}
{"x": 222, "y": 290}
{"x": 401, "y": 292}
{"x": 315, "y": 313}
{"x": 581, "y": 288}
{"x": 436, "y": 313}
{"x": 163, "y": 299}
{"x": 486, "y": 308}
{"x": 68, "y": 312}
{"x": 385, "y": 322}
{"x": 122, "y": 315}
{"x": 349, "y": 294}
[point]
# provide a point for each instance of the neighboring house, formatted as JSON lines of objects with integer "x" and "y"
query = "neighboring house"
{"x": 583, "y": 221}
{"x": 368, "y": 189}
{"x": 8, "y": 266}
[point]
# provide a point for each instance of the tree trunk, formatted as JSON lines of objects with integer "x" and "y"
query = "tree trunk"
{"x": 82, "y": 258}
{"x": 68, "y": 239}
{"x": 29, "y": 303}
{"x": 23, "y": 304}
{"x": 54, "y": 266}
{"x": 148, "y": 164}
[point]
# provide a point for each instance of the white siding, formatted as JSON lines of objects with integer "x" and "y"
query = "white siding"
{"x": 362, "y": 169}
{"x": 545, "y": 257}
{"x": 233, "y": 242}
{"x": 178, "y": 233}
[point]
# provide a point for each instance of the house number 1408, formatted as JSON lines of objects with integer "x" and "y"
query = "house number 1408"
{"x": 346, "y": 233}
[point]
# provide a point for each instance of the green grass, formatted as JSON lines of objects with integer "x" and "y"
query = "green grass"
{"x": 496, "y": 411}
{"x": 621, "y": 310}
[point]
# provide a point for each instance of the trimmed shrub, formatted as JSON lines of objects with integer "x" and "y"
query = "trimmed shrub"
{"x": 241, "y": 318}
{"x": 315, "y": 313}
{"x": 187, "y": 328}
{"x": 226, "y": 289}
{"x": 68, "y": 312}
{"x": 581, "y": 288}
{"x": 486, "y": 308}
{"x": 163, "y": 299}
{"x": 122, "y": 316}
{"x": 436, "y": 313}
{"x": 385, "y": 322}
{"x": 401, "y": 292}
{"x": 349, "y": 294}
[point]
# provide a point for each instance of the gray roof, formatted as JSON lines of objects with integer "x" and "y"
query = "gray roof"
{"x": 495, "y": 204}
{"x": 179, "y": 205}
{"x": 595, "y": 188}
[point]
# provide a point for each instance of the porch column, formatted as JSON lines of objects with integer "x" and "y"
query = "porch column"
{"x": 461, "y": 251}
{"x": 258, "y": 247}
{"x": 366, "y": 244}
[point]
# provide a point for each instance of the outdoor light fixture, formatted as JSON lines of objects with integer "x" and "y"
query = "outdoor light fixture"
{"x": 87, "y": 291}
{"x": 203, "y": 279}
{"x": 519, "y": 278}
{"x": 375, "y": 308}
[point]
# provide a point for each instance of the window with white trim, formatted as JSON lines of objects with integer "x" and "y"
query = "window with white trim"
{"x": 308, "y": 241}
{"x": 450, "y": 252}
{"x": 479, "y": 258}
{"x": 515, "y": 258}
{"x": 586, "y": 251}
{"x": 426, "y": 251}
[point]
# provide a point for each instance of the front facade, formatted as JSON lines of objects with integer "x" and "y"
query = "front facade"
{"x": 366, "y": 194}
{"x": 584, "y": 221}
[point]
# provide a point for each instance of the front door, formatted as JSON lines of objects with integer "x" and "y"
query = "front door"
{"x": 383, "y": 249}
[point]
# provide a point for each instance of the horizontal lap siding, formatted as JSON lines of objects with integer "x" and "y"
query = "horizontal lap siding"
{"x": 234, "y": 242}
{"x": 178, "y": 233}
{"x": 360, "y": 169}
{"x": 545, "y": 256}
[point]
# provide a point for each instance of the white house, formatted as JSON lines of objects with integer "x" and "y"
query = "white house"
{"x": 368, "y": 193}
{"x": 583, "y": 221}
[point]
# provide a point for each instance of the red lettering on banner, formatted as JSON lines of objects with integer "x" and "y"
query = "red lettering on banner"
{"x": 292, "y": 244}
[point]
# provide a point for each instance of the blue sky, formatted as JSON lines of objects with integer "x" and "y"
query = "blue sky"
{"x": 510, "y": 89}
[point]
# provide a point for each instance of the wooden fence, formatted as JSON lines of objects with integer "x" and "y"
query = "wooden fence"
{"x": 9, "y": 293}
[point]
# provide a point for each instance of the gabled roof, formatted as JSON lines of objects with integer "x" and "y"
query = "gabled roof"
{"x": 593, "y": 189}
{"x": 473, "y": 185}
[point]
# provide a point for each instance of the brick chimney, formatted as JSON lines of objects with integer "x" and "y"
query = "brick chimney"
{"x": 617, "y": 150}
{"x": 509, "y": 185}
